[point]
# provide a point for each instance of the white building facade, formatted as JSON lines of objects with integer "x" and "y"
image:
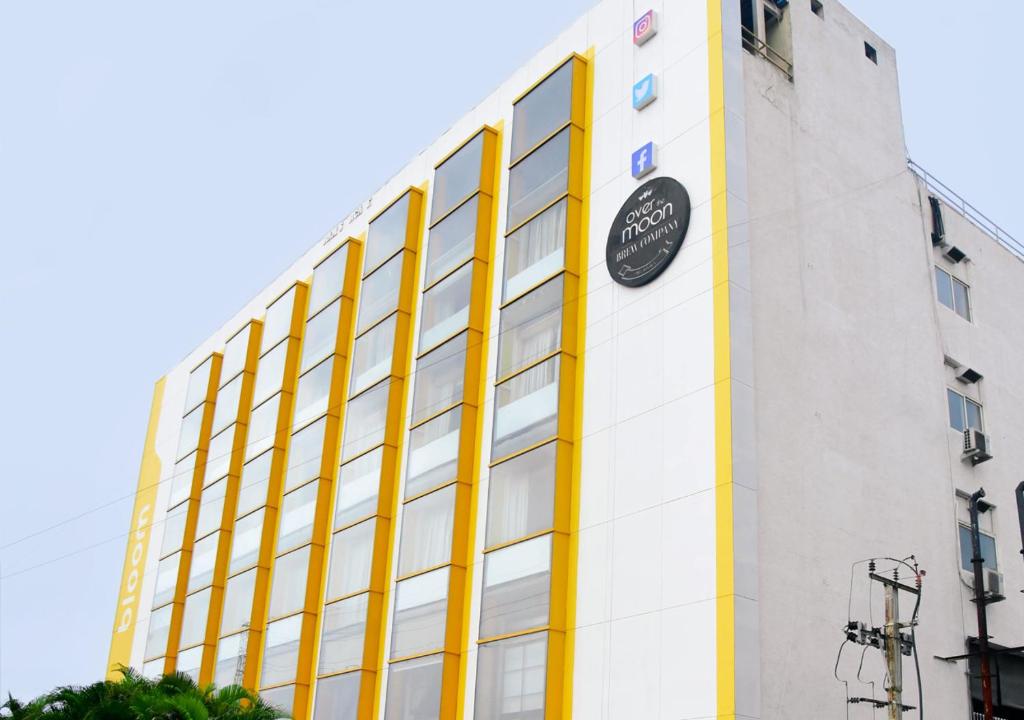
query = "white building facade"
{"x": 589, "y": 410}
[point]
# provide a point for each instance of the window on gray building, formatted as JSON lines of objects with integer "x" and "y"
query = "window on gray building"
{"x": 953, "y": 293}
{"x": 963, "y": 412}
{"x": 988, "y": 550}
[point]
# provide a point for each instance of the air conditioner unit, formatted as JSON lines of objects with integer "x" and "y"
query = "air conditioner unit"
{"x": 994, "y": 584}
{"x": 977, "y": 446}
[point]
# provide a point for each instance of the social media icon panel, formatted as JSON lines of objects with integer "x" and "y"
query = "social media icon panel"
{"x": 644, "y": 92}
{"x": 643, "y": 160}
{"x": 644, "y": 28}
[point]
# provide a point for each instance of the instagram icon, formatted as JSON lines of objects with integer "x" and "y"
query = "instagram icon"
{"x": 644, "y": 28}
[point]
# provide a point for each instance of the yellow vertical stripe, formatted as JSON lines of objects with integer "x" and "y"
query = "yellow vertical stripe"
{"x": 724, "y": 557}
{"x": 135, "y": 555}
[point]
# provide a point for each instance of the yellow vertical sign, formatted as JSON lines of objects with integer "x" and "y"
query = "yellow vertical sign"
{"x": 138, "y": 544}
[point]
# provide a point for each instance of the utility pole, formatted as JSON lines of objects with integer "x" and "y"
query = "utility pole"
{"x": 893, "y": 648}
{"x": 978, "y": 506}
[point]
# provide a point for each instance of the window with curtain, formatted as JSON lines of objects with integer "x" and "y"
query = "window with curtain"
{"x": 451, "y": 241}
{"x": 517, "y": 587}
{"x": 371, "y": 357}
{"x": 427, "y": 531}
{"x": 539, "y": 179}
{"x": 414, "y": 689}
{"x": 433, "y": 453}
{"x": 343, "y": 634}
{"x": 521, "y": 495}
{"x": 511, "y": 678}
{"x": 526, "y": 409}
{"x": 321, "y": 336}
{"x": 531, "y": 327}
{"x": 337, "y": 697}
{"x": 420, "y": 606}
{"x": 311, "y": 395}
{"x": 351, "y": 559}
{"x": 535, "y": 251}
{"x": 440, "y": 377}
{"x": 288, "y": 584}
{"x": 446, "y": 307}
{"x": 358, "y": 484}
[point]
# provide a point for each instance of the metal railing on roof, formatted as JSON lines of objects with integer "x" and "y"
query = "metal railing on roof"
{"x": 970, "y": 212}
{"x": 756, "y": 45}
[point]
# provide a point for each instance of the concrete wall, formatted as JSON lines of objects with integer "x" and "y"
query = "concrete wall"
{"x": 855, "y": 455}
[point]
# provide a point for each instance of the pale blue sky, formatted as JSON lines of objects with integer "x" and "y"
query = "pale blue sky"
{"x": 159, "y": 164}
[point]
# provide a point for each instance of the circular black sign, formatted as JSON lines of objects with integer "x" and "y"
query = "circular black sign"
{"x": 648, "y": 231}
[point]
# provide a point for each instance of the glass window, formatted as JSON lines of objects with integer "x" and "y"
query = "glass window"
{"x": 304, "y": 458}
{"x": 328, "y": 278}
{"x": 420, "y": 606}
{"x": 956, "y": 410}
{"x": 337, "y": 698}
{"x": 204, "y": 558}
{"x": 193, "y": 622}
{"x": 433, "y": 453}
{"x": 321, "y": 335}
{"x": 189, "y": 661}
{"x": 230, "y": 660}
{"x": 440, "y": 376}
{"x": 297, "y": 511}
{"x": 278, "y": 322}
{"x": 531, "y": 327}
{"x": 510, "y": 678}
{"x": 225, "y": 411}
{"x": 544, "y": 110}
{"x": 387, "y": 233}
{"x": 270, "y": 374}
{"x": 262, "y": 427}
{"x": 521, "y": 496}
{"x": 238, "y": 602}
{"x": 452, "y": 241}
{"x": 154, "y": 669}
{"x": 944, "y": 285}
{"x": 535, "y": 251}
{"x": 540, "y": 178}
{"x": 973, "y": 414}
{"x": 341, "y": 647}
{"x": 427, "y": 531}
{"x": 191, "y": 425}
{"x": 313, "y": 391}
{"x": 288, "y": 588}
{"x": 517, "y": 587}
{"x": 526, "y": 409}
{"x": 458, "y": 177}
{"x": 198, "y": 384}
{"x": 366, "y": 420}
{"x": 255, "y": 477}
{"x": 245, "y": 547}
{"x": 414, "y": 689}
{"x": 181, "y": 479}
{"x": 166, "y": 579}
{"x": 987, "y": 546}
{"x": 218, "y": 458}
{"x": 235, "y": 351}
{"x": 351, "y": 559}
{"x": 358, "y": 483}
{"x": 174, "y": 529}
{"x": 211, "y": 508}
{"x": 446, "y": 307}
{"x": 158, "y": 632}
{"x": 282, "y": 698}
{"x": 961, "y": 300}
{"x": 371, "y": 357}
{"x": 379, "y": 294}
{"x": 281, "y": 651}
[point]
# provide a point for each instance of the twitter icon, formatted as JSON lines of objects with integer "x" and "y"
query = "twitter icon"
{"x": 644, "y": 92}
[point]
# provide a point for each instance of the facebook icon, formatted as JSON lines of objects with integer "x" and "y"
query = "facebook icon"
{"x": 643, "y": 160}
